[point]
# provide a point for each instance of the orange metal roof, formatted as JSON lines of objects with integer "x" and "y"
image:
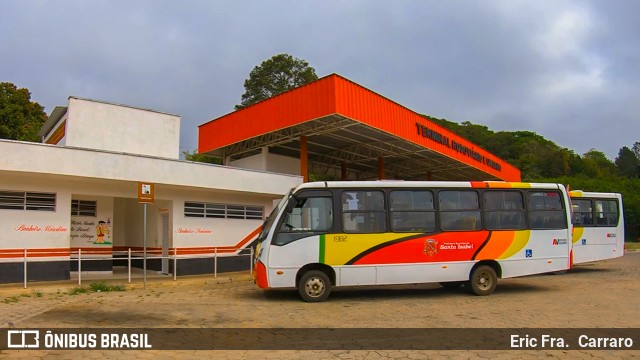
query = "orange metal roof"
{"x": 347, "y": 118}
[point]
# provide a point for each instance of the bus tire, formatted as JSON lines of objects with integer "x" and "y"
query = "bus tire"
{"x": 452, "y": 285}
{"x": 483, "y": 280}
{"x": 314, "y": 286}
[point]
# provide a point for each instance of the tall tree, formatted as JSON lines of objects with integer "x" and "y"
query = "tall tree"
{"x": 20, "y": 118}
{"x": 274, "y": 76}
{"x": 598, "y": 165}
{"x": 636, "y": 149}
{"x": 628, "y": 163}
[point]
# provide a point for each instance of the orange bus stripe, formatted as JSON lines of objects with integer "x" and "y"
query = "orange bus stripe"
{"x": 497, "y": 245}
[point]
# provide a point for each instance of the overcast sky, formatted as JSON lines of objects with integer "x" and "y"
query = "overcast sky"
{"x": 567, "y": 70}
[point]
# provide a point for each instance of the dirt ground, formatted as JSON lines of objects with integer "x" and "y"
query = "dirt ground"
{"x": 597, "y": 295}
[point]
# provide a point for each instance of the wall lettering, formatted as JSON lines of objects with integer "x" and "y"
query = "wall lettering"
{"x": 452, "y": 144}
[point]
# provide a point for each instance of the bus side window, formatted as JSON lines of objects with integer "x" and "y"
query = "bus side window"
{"x": 546, "y": 210}
{"x": 363, "y": 211}
{"x": 582, "y": 212}
{"x": 412, "y": 210}
{"x": 504, "y": 210}
{"x": 606, "y": 212}
{"x": 459, "y": 210}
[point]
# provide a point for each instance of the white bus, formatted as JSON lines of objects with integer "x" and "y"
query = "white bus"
{"x": 333, "y": 234}
{"x": 598, "y": 226}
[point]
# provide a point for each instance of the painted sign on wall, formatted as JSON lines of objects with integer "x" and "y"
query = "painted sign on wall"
{"x": 90, "y": 231}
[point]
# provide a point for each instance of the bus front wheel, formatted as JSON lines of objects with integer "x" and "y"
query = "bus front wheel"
{"x": 483, "y": 280}
{"x": 314, "y": 286}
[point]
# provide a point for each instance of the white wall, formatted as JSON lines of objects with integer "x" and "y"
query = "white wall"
{"x": 20, "y": 229}
{"x": 194, "y": 232}
{"x": 111, "y": 179}
{"x": 50, "y": 159}
{"x": 97, "y": 125}
{"x": 283, "y": 164}
{"x": 269, "y": 162}
{"x": 255, "y": 162}
{"x": 115, "y": 199}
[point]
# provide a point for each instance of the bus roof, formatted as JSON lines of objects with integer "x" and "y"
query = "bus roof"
{"x": 580, "y": 193}
{"x": 427, "y": 184}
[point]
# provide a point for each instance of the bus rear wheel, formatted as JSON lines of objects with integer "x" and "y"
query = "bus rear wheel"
{"x": 483, "y": 280}
{"x": 314, "y": 286}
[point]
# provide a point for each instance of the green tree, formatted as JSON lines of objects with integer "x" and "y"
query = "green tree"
{"x": 20, "y": 118}
{"x": 274, "y": 76}
{"x": 598, "y": 164}
{"x": 195, "y": 156}
{"x": 628, "y": 163}
{"x": 636, "y": 149}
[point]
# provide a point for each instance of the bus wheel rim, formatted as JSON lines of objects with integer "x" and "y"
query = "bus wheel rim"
{"x": 314, "y": 287}
{"x": 484, "y": 281}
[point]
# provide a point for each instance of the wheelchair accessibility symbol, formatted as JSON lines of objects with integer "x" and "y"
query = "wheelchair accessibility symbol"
{"x": 584, "y": 241}
{"x": 528, "y": 253}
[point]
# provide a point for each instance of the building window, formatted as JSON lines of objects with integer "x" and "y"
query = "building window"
{"x": 20, "y": 200}
{"x": 83, "y": 208}
{"x": 223, "y": 211}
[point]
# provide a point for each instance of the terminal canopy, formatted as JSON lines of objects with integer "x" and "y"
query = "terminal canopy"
{"x": 340, "y": 127}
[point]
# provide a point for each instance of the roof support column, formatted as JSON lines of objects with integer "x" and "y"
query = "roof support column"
{"x": 343, "y": 171}
{"x": 380, "y": 168}
{"x": 304, "y": 158}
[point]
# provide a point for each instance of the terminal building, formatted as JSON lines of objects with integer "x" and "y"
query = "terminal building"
{"x": 75, "y": 194}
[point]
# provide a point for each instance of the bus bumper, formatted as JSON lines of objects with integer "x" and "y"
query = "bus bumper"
{"x": 260, "y": 275}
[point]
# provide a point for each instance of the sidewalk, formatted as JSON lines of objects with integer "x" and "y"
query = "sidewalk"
{"x": 120, "y": 277}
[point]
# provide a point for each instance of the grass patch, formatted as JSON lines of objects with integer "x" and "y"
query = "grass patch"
{"x": 16, "y": 298}
{"x": 632, "y": 245}
{"x": 100, "y": 286}
{"x": 78, "y": 290}
{"x": 11, "y": 300}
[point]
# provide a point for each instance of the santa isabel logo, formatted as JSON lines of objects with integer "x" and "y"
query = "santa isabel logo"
{"x": 431, "y": 247}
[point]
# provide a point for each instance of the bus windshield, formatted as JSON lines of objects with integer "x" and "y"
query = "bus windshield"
{"x": 268, "y": 223}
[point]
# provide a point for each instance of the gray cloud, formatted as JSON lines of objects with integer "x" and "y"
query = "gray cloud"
{"x": 566, "y": 70}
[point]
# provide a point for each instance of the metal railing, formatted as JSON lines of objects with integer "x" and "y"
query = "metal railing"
{"x": 97, "y": 256}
